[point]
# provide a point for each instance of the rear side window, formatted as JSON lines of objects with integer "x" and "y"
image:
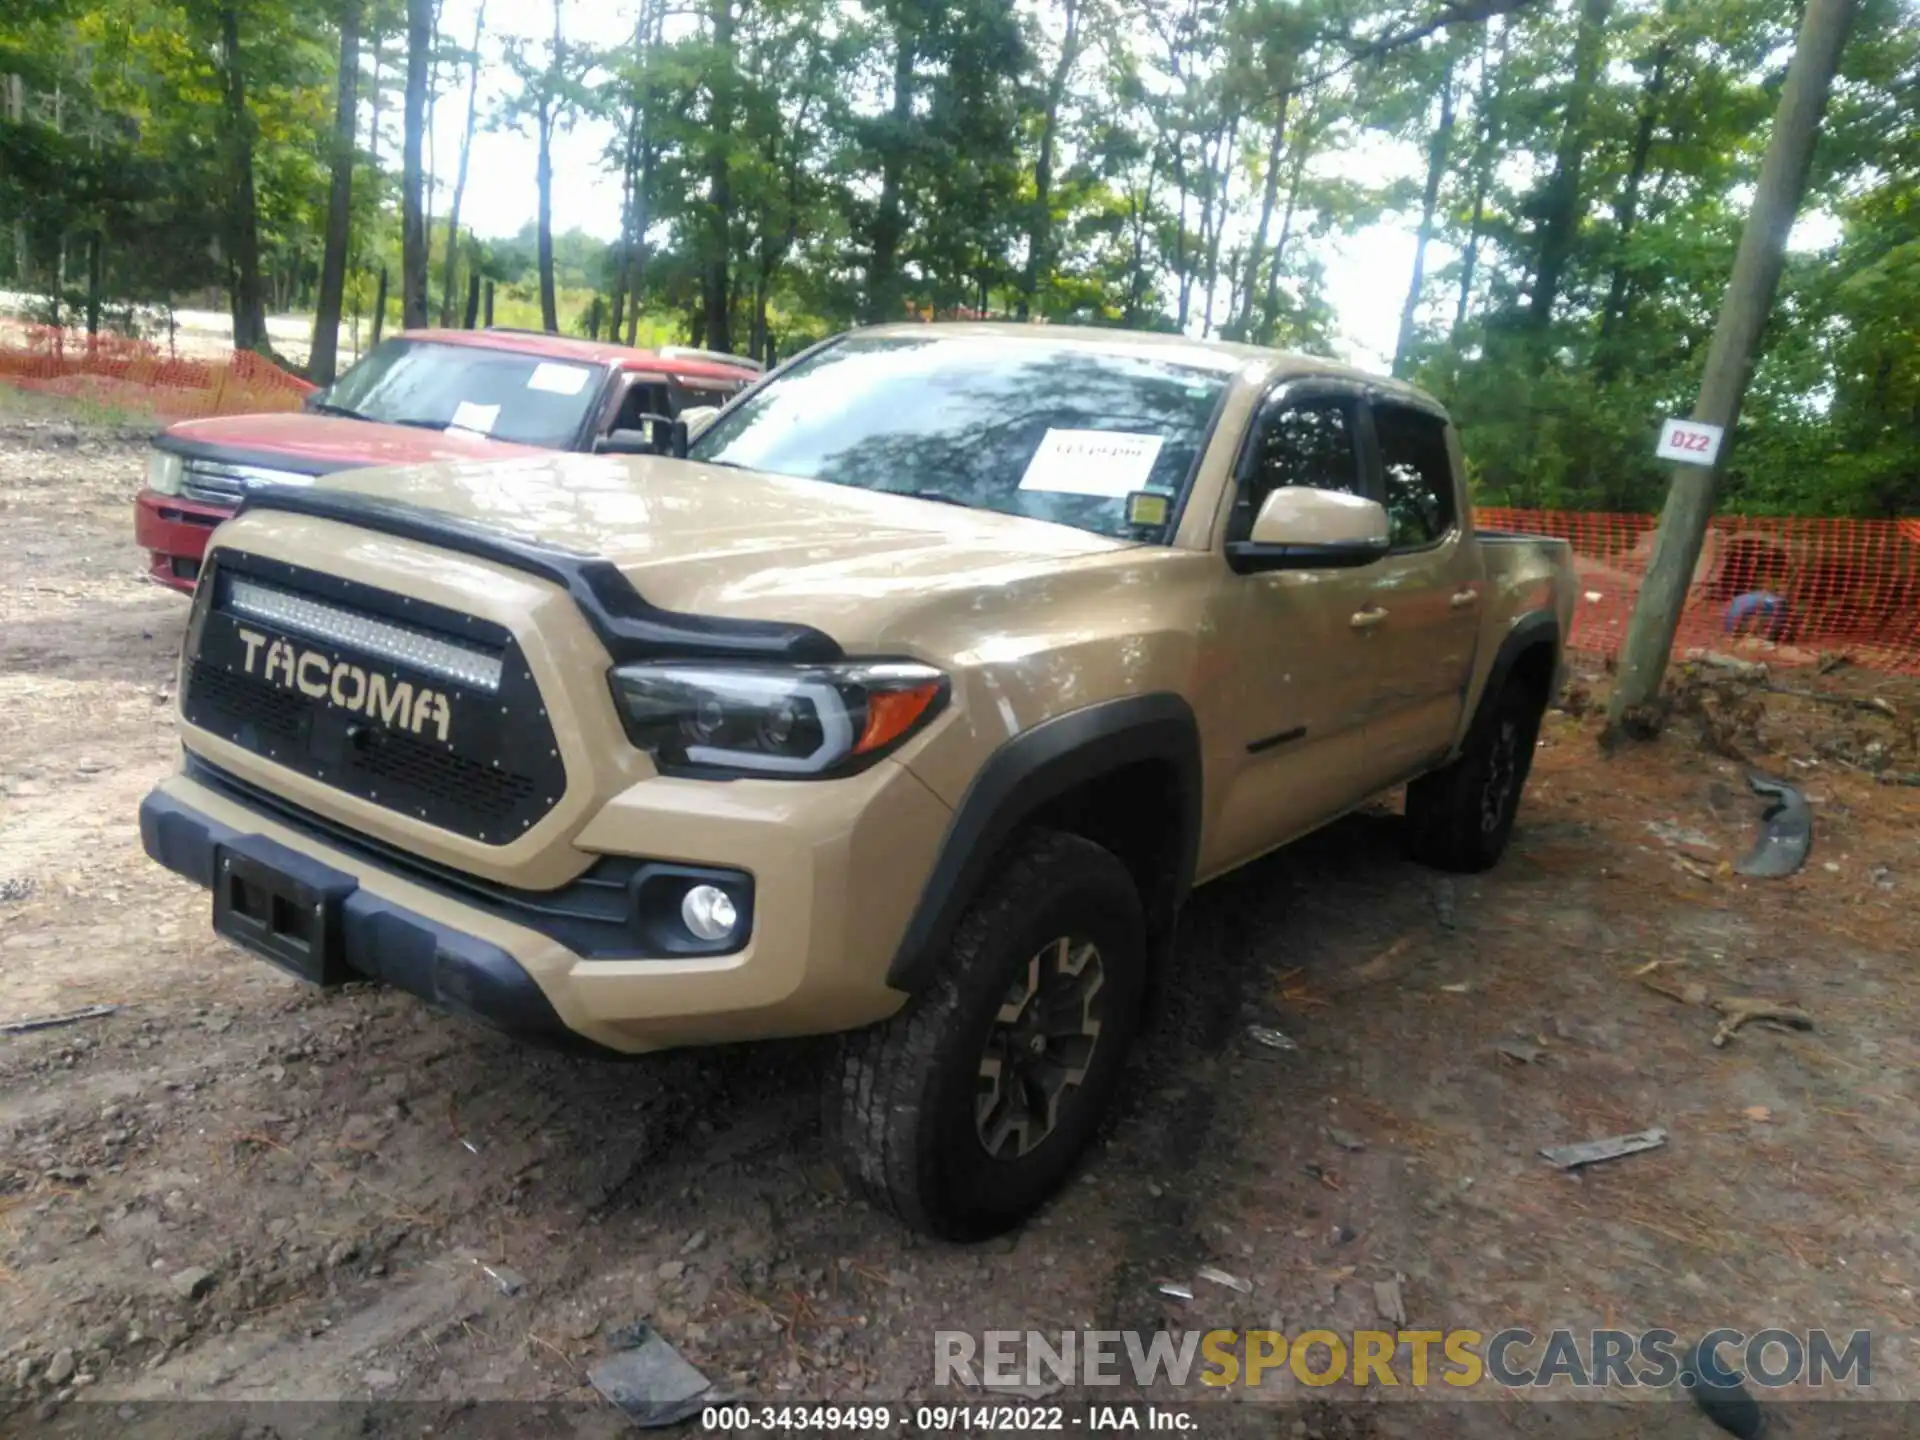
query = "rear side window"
{"x": 1417, "y": 476}
{"x": 1306, "y": 443}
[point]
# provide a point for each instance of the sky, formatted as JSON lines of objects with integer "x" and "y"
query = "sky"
{"x": 1366, "y": 271}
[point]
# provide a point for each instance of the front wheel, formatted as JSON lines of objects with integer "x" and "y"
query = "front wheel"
{"x": 963, "y": 1113}
{"x": 1460, "y": 817}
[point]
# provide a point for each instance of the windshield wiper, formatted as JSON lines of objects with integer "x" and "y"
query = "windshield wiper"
{"x": 424, "y": 424}
{"x": 936, "y": 495}
{"x": 326, "y": 408}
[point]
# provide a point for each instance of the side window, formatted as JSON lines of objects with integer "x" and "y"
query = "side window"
{"x": 687, "y": 396}
{"x": 1302, "y": 442}
{"x": 1417, "y": 476}
{"x": 644, "y": 397}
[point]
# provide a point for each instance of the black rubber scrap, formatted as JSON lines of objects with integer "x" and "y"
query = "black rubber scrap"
{"x": 1786, "y": 830}
{"x": 1721, "y": 1394}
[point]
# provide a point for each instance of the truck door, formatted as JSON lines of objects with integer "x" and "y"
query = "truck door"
{"x": 1427, "y": 595}
{"x": 1303, "y": 683}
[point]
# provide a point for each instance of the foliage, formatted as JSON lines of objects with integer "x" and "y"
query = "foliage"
{"x": 787, "y": 168}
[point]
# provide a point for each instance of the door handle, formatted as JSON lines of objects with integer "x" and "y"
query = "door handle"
{"x": 1368, "y": 618}
{"x": 1461, "y": 599}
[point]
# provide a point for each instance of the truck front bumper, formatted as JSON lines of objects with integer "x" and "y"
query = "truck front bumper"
{"x": 174, "y": 533}
{"x": 811, "y": 964}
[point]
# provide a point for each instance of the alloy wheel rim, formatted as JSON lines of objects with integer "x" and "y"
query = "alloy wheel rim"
{"x": 1039, "y": 1047}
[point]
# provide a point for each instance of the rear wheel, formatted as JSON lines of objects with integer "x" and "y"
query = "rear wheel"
{"x": 1460, "y": 817}
{"x": 965, "y": 1111}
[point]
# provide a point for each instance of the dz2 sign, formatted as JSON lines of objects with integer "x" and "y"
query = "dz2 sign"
{"x": 1689, "y": 442}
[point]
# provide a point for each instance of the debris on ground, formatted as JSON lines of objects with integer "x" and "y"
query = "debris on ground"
{"x": 1672, "y": 832}
{"x": 192, "y": 1283}
{"x": 1741, "y": 1012}
{"x": 510, "y": 1282}
{"x": 1786, "y": 830}
{"x": 1222, "y": 1277}
{"x": 1174, "y": 1290}
{"x": 1389, "y": 1302}
{"x": 1731, "y": 664}
{"x": 650, "y": 1381}
{"x": 1519, "y": 1053}
{"x": 1720, "y": 1394}
{"x": 1591, "y": 1152}
{"x": 1265, "y": 1037}
{"x": 48, "y": 1022}
{"x": 1345, "y": 1139}
{"x": 1443, "y": 910}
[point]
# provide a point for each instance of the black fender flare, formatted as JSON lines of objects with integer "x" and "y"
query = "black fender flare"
{"x": 1529, "y": 632}
{"x": 1026, "y": 773}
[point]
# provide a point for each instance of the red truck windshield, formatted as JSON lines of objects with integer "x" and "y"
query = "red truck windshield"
{"x": 501, "y": 393}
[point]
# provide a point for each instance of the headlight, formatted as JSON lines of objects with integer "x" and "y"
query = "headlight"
{"x": 775, "y": 719}
{"x": 163, "y": 472}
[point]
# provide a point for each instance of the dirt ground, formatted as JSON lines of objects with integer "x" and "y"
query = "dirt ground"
{"x": 362, "y": 1181}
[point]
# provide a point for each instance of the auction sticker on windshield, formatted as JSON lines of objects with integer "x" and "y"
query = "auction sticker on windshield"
{"x": 1111, "y": 464}
{"x": 557, "y": 379}
{"x": 477, "y": 418}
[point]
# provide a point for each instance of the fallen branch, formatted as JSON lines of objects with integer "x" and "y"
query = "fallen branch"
{"x": 1739, "y": 1012}
{"x": 1858, "y": 702}
{"x": 48, "y": 1022}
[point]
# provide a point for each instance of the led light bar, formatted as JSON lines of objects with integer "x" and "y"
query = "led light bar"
{"x": 475, "y": 669}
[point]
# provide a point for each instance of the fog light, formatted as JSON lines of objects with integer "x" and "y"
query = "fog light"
{"x": 707, "y": 912}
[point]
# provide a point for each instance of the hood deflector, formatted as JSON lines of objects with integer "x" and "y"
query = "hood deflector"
{"x": 622, "y": 619}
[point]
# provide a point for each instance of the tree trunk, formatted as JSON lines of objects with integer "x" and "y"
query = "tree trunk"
{"x": 1302, "y": 151}
{"x": 1241, "y": 323}
{"x": 1730, "y": 358}
{"x": 373, "y": 122}
{"x": 883, "y": 264}
{"x": 323, "y": 361}
{"x": 96, "y": 277}
{"x": 1560, "y": 221}
{"x": 1626, "y": 214}
{"x": 472, "y": 317}
{"x": 543, "y": 184}
{"x": 17, "y": 113}
{"x": 543, "y": 234}
{"x": 460, "y": 173}
{"x": 719, "y": 139}
{"x": 1040, "y": 222}
{"x": 489, "y": 305}
{"x": 1485, "y": 103}
{"x": 1430, "y": 198}
{"x": 379, "y": 308}
{"x": 1213, "y": 218}
{"x": 413, "y": 226}
{"x": 249, "y": 305}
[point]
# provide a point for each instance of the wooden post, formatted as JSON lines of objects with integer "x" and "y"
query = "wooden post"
{"x": 1736, "y": 340}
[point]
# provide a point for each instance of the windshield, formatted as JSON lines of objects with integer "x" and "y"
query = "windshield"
{"x": 501, "y": 393}
{"x": 1055, "y": 431}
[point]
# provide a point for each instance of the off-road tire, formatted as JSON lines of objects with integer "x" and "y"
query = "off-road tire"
{"x": 1460, "y": 816}
{"x": 902, "y": 1112}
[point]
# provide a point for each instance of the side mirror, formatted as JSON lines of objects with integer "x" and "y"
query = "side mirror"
{"x": 698, "y": 417}
{"x": 663, "y": 436}
{"x": 1301, "y": 529}
{"x": 314, "y": 399}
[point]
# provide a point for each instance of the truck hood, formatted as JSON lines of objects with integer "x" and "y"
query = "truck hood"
{"x": 317, "y": 443}
{"x": 714, "y": 540}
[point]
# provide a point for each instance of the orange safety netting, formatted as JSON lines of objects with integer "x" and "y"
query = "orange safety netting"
{"x": 121, "y": 374}
{"x": 1771, "y": 588}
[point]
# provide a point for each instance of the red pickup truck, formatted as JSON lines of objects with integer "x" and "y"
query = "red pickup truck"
{"x": 420, "y": 395}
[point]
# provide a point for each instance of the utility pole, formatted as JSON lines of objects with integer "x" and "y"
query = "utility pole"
{"x": 1736, "y": 340}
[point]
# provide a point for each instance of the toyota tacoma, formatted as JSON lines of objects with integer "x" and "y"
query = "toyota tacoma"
{"x": 910, "y": 705}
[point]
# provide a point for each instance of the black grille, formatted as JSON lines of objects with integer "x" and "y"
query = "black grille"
{"x": 492, "y": 777}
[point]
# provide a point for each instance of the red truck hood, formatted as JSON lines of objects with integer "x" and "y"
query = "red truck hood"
{"x": 334, "y": 440}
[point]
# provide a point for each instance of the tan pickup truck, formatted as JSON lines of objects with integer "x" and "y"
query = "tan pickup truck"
{"x": 911, "y": 704}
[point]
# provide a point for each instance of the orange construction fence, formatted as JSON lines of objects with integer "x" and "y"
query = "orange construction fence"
{"x": 1784, "y": 589}
{"x": 137, "y": 376}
